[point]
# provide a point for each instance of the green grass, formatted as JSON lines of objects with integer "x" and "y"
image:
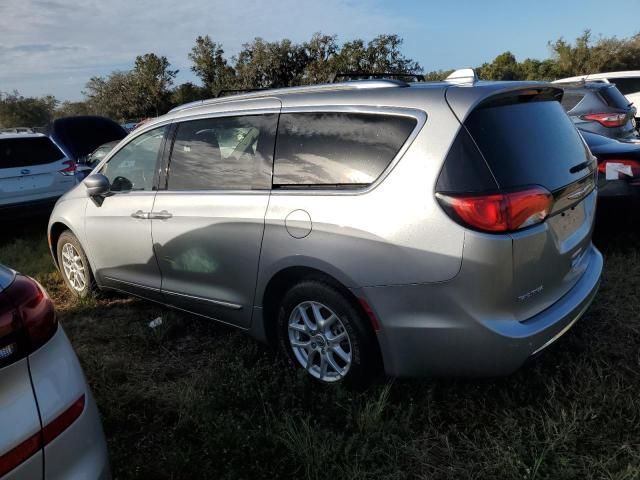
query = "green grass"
{"x": 192, "y": 399}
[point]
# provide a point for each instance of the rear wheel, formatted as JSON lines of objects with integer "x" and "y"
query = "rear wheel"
{"x": 74, "y": 266}
{"x": 326, "y": 335}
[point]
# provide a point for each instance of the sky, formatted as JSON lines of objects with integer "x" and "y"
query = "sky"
{"x": 55, "y": 46}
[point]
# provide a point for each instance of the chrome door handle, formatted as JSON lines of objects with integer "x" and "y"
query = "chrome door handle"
{"x": 140, "y": 214}
{"x": 162, "y": 215}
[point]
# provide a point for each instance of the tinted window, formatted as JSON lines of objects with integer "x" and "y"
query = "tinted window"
{"x": 27, "y": 152}
{"x": 337, "y": 148}
{"x": 464, "y": 170}
{"x": 614, "y": 98}
{"x": 570, "y": 100}
{"x": 627, "y": 85}
{"x": 226, "y": 153}
{"x": 529, "y": 144}
{"x": 133, "y": 167}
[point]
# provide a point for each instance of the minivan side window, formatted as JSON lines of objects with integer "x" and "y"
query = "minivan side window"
{"x": 223, "y": 153}
{"x": 337, "y": 149}
{"x": 133, "y": 167}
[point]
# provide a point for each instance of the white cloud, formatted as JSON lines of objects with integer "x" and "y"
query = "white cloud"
{"x": 55, "y": 46}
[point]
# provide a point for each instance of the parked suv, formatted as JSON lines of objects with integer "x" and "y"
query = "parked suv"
{"x": 600, "y": 108}
{"x": 627, "y": 82}
{"x": 34, "y": 172}
{"x": 428, "y": 228}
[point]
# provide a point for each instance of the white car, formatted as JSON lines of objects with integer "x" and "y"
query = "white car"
{"x": 34, "y": 173}
{"x": 627, "y": 82}
{"x": 49, "y": 423}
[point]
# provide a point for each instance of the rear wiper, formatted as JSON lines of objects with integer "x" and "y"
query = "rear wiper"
{"x": 580, "y": 166}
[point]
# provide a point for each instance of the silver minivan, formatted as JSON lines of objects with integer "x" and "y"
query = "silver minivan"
{"x": 411, "y": 228}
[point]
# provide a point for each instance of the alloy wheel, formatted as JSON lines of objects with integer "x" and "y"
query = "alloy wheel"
{"x": 320, "y": 341}
{"x": 73, "y": 267}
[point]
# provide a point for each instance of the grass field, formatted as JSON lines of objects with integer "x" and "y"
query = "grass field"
{"x": 192, "y": 399}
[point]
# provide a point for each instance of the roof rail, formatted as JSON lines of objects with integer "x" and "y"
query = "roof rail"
{"x": 261, "y": 93}
{"x": 351, "y": 76}
{"x": 227, "y": 92}
{"x": 463, "y": 76}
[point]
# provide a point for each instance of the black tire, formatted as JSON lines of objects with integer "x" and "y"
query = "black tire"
{"x": 68, "y": 238}
{"x": 364, "y": 354}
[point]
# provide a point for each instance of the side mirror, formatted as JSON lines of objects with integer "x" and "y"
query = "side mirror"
{"x": 97, "y": 184}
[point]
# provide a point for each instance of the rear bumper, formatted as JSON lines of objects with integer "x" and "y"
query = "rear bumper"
{"x": 80, "y": 451}
{"x": 426, "y": 332}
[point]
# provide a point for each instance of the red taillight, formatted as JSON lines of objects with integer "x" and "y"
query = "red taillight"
{"x": 609, "y": 120}
{"x": 19, "y": 454}
{"x": 63, "y": 421}
{"x": 27, "y": 319}
{"x": 499, "y": 212}
{"x": 23, "y": 451}
{"x": 70, "y": 168}
{"x": 635, "y": 166}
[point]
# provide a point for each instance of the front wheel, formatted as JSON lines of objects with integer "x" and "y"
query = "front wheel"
{"x": 74, "y": 265}
{"x": 326, "y": 335}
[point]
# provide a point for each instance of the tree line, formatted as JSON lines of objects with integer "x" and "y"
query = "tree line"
{"x": 149, "y": 89}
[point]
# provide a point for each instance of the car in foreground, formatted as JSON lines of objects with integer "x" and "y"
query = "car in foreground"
{"x": 618, "y": 165}
{"x": 425, "y": 228}
{"x": 628, "y": 82}
{"x": 600, "y": 108}
{"x": 49, "y": 423}
{"x": 34, "y": 173}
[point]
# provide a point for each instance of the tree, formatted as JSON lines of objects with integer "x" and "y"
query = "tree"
{"x": 141, "y": 92}
{"x": 73, "y": 109}
{"x": 188, "y": 92}
{"x": 210, "y": 65}
{"x": 382, "y": 54}
{"x": 574, "y": 59}
{"x": 19, "y": 111}
{"x": 152, "y": 78}
{"x": 320, "y": 53}
{"x": 263, "y": 64}
{"x": 504, "y": 67}
{"x": 113, "y": 96}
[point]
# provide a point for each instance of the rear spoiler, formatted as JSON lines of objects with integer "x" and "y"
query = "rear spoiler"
{"x": 490, "y": 94}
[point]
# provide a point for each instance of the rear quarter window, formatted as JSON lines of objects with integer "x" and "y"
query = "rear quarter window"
{"x": 570, "y": 100}
{"x": 532, "y": 143}
{"x": 337, "y": 149}
{"x": 28, "y": 152}
{"x": 614, "y": 98}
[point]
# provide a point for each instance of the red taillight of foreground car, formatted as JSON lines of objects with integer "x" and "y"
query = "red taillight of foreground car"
{"x": 23, "y": 451}
{"x": 635, "y": 166}
{"x": 70, "y": 168}
{"x": 499, "y": 212}
{"x": 609, "y": 120}
{"x": 27, "y": 319}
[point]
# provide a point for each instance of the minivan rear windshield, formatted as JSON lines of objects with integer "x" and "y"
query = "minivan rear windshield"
{"x": 533, "y": 143}
{"x": 27, "y": 152}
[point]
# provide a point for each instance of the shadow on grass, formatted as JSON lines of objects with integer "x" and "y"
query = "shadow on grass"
{"x": 193, "y": 399}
